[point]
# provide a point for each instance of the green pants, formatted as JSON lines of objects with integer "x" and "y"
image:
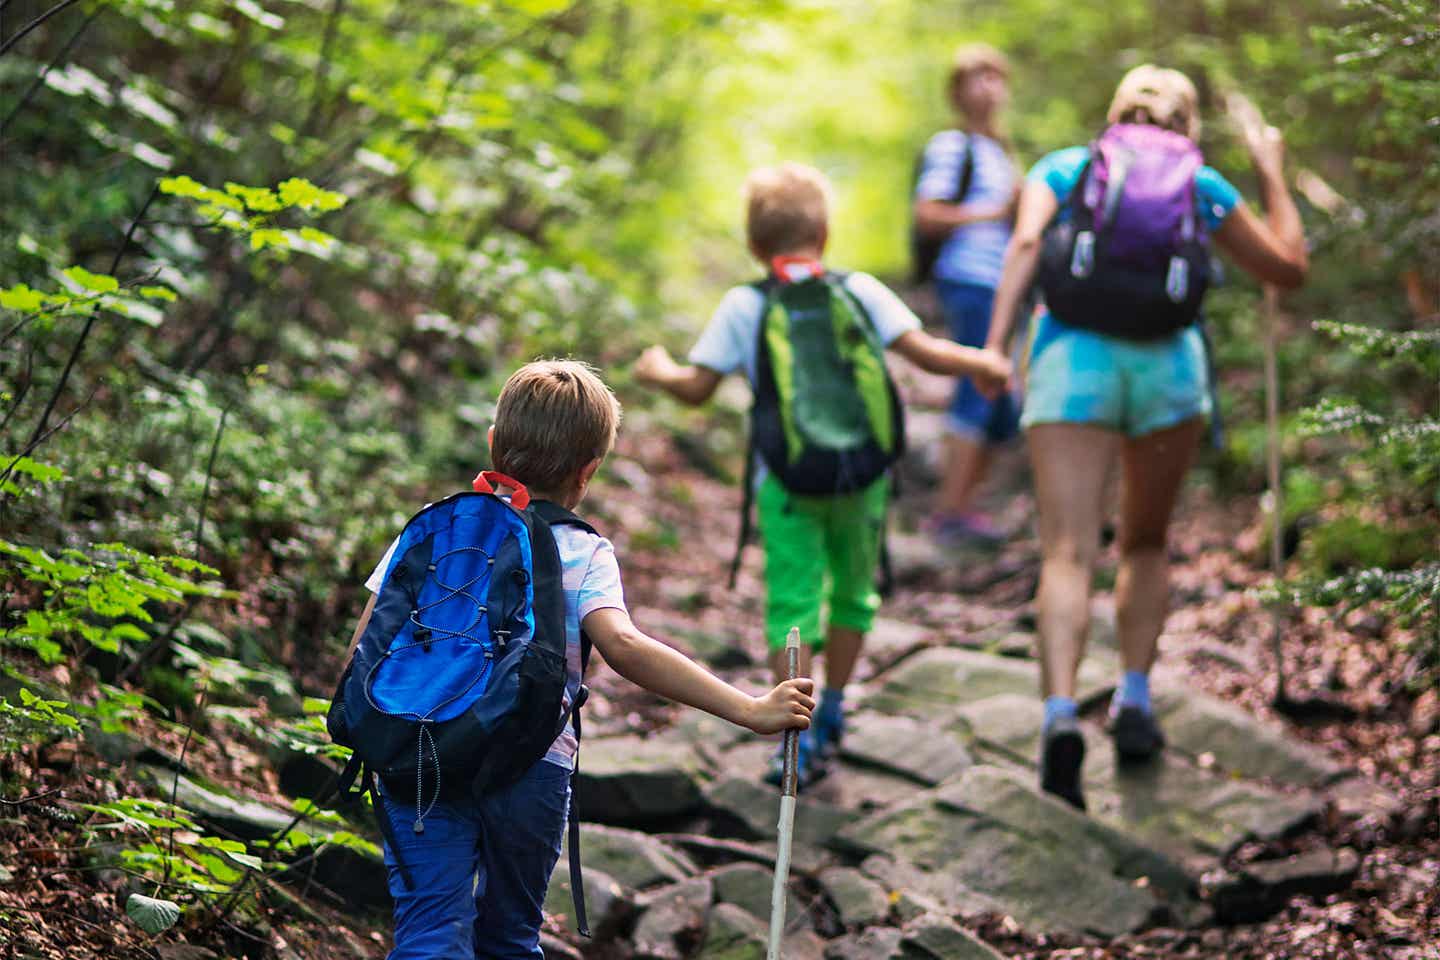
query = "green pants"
{"x": 820, "y": 551}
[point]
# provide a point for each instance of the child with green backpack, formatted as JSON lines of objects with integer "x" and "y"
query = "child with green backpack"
{"x": 825, "y": 427}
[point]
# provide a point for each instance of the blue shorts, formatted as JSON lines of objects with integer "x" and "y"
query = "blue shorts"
{"x": 1131, "y": 387}
{"x": 967, "y": 312}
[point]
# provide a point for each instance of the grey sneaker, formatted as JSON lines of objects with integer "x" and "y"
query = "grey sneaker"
{"x": 1061, "y": 754}
{"x": 1137, "y": 735}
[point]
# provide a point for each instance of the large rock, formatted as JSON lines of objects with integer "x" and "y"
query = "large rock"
{"x": 1259, "y": 890}
{"x": 750, "y": 887}
{"x": 733, "y": 934}
{"x": 941, "y": 938}
{"x": 1189, "y": 813}
{"x": 923, "y": 752}
{"x": 708, "y": 735}
{"x": 934, "y": 683}
{"x": 1239, "y": 743}
{"x": 636, "y": 860}
{"x": 634, "y": 781}
{"x": 859, "y": 901}
{"x": 757, "y": 806}
{"x": 1046, "y": 864}
{"x": 877, "y": 943}
{"x": 227, "y": 812}
{"x": 608, "y": 905}
{"x": 355, "y": 872}
{"x": 674, "y": 919}
{"x": 1192, "y": 814}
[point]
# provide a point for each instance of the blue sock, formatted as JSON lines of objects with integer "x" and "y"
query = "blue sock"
{"x": 832, "y": 703}
{"x": 1134, "y": 690}
{"x": 1058, "y": 707}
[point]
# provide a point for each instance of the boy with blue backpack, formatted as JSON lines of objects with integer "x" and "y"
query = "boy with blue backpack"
{"x": 825, "y": 427}
{"x": 461, "y": 699}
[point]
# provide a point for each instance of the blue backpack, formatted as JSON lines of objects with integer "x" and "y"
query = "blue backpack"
{"x": 457, "y": 685}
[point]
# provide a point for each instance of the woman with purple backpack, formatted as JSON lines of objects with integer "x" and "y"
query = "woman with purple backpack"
{"x": 1119, "y": 233}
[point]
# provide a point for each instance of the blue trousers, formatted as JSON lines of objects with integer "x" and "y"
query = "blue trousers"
{"x": 480, "y": 871}
{"x": 967, "y": 313}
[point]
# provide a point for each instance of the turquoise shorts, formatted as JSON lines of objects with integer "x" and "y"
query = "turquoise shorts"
{"x": 1131, "y": 387}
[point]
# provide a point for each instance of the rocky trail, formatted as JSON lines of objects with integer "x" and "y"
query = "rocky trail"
{"x": 929, "y": 840}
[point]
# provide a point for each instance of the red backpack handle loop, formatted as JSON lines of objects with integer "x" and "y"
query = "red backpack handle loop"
{"x": 486, "y": 481}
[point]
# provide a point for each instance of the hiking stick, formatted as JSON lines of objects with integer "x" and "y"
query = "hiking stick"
{"x": 786, "y": 827}
{"x": 1272, "y": 481}
{"x": 1251, "y": 123}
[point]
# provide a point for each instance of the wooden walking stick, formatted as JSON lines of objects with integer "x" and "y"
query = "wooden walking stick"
{"x": 1272, "y": 481}
{"x": 1251, "y": 122}
{"x": 786, "y": 827}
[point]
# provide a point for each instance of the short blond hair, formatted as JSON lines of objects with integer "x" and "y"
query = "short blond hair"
{"x": 787, "y": 208}
{"x": 1159, "y": 96}
{"x": 553, "y": 417}
{"x": 976, "y": 56}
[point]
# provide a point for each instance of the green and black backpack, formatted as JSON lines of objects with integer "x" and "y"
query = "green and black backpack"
{"x": 827, "y": 419}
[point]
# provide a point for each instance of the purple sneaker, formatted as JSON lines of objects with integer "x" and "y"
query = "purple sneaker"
{"x": 954, "y": 529}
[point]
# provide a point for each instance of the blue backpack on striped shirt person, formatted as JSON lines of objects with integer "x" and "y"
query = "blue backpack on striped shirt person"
{"x": 457, "y": 685}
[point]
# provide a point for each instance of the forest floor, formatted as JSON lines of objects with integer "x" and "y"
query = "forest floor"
{"x": 673, "y": 524}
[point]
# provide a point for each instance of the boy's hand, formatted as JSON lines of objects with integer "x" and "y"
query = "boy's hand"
{"x": 994, "y": 373}
{"x": 787, "y": 706}
{"x": 655, "y": 366}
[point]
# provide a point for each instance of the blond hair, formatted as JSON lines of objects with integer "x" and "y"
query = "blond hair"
{"x": 1158, "y": 96}
{"x": 787, "y": 208}
{"x": 976, "y": 56}
{"x": 553, "y": 417}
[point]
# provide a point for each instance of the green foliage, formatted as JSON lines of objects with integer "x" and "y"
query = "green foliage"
{"x": 173, "y": 848}
{"x": 153, "y": 916}
{"x": 33, "y": 720}
{"x": 102, "y": 596}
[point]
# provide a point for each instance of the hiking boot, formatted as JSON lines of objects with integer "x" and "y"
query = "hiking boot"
{"x": 1137, "y": 735}
{"x": 826, "y": 728}
{"x": 1061, "y": 755}
{"x": 960, "y": 529}
{"x": 808, "y": 769}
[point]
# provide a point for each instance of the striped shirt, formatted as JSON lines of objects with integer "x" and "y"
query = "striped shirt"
{"x": 974, "y": 253}
{"x": 591, "y": 580}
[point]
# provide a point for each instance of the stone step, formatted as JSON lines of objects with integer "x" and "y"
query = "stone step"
{"x": 990, "y": 831}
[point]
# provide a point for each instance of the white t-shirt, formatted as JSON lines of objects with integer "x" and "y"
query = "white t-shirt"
{"x": 733, "y": 333}
{"x": 591, "y": 578}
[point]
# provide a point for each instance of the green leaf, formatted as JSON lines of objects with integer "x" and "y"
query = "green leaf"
{"x": 299, "y": 192}
{"x": 159, "y": 293}
{"x": 153, "y": 916}
{"x": 259, "y": 199}
{"x": 98, "y": 282}
{"x": 269, "y": 237}
{"x": 20, "y": 297}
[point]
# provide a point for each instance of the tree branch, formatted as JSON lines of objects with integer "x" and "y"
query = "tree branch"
{"x": 5, "y": 47}
{"x": 40, "y": 78}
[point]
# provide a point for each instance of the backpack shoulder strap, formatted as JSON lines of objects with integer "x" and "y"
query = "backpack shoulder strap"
{"x": 966, "y": 175}
{"x": 555, "y": 515}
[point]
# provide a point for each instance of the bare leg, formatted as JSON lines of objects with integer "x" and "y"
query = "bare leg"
{"x": 1071, "y": 462}
{"x": 966, "y": 461}
{"x": 1154, "y": 467}
{"x": 842, "y": 649}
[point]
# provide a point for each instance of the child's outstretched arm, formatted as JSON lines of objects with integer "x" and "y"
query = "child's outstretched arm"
{"x": 986, "y": 368}
{"x": 687, "y": 383}
{"x": 649, "y": 663}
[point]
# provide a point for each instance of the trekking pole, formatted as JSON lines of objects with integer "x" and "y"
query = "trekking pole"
{"x": 1273, "y": 482}
{"x": 1251, "y": 123}
{"x": 786, "y": 827}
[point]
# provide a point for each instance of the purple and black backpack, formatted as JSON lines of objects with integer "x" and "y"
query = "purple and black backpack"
{"x": 1133, "y": 258}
